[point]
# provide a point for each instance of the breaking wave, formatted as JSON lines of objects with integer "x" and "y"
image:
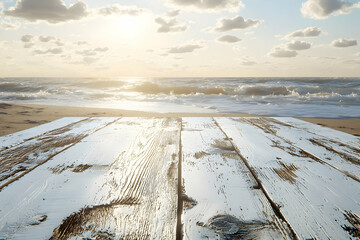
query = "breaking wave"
{"x": 272, "y": 96}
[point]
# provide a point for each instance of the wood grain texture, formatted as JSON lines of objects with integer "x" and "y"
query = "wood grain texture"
{"x": 326, "y": 149}
{"x": 117, "y": 183}
{"x": 28, "y": 134}
{"x": 19, "y": 158}
{"x": 322, "y": 131}
{"x": 240, "y": 178}
{"x": 312, "y": 196}
{"x": 221, "y": 198}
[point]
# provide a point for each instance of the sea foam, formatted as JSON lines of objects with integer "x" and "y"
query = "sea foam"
{"x": 310, "y": 97}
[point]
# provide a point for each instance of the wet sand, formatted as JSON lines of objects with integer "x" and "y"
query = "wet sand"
{"x": 17, "y": 117}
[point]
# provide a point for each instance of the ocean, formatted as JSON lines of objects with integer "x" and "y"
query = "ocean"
{"x": 305, "y": 97}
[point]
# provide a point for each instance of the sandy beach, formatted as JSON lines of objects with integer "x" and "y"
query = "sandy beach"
{"x": 17, "y": 117}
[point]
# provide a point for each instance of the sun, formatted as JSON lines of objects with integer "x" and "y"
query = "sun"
{"x": 128, "y": 27}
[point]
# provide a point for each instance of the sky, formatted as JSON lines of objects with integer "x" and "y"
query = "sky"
{"x": 179, "y": 38}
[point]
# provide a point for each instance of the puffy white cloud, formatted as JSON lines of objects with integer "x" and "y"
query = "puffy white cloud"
{"x": 173, "y": 13}
{"x": 342, "y": 43}
{"x": 92, "y": 52}
{"x": 229, "y": 39}
{"x": 246, "y": 61}
{"x": 187, "y": 48}
{"x": 298, "y": 45}
{"x": 101, "y": 49}
{"x": 30, "y": 40}
{"x": 48, "y": 51}
{"x": 80, "y": 43}
{"x": 280, "y": 52}
{"x": 86, "y": 52}
{"x": 169, "y": 25}
{"x": 208, "y": 5}
{"x": 322, "y": 9}
{"x": 52, "y": 11}
{"x": 305, "y": 33}
{"x": 29, "y": 45}
{"x": 46, "y": 38}
{"x": 289, "y": 50}
{"x": 27, "y": 38}
{"x": 121, "y": 10}
{"x": 8, "y": 25}
{"x": 90, "y": 60}
{"x": 59, "y": 43}
{"x": 228, "y": 24}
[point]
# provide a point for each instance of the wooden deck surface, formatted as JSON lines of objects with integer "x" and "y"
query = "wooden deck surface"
{"x": 179, "y": 178}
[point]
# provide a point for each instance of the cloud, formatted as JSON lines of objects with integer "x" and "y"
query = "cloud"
{"x": 208, "y": 5}
{"x": 170, "y": 25}
{"x": 46, "y": 38}
{"x": 298, "y": 45}
{"x": 280, "y": 52}
{"x": 52, "y": 11}
{"x": 27, "y": 38}
{"x": 92, "y": 52}
{"x": 229, "y": 39}
{"x": 305, "y": 33}
{"x": 173, "y": 13}
{"x": 352, "y": 61}
{"x": 342, "y": 43}
{"x": 79, "y": 43}
{"x": 289, "y": 50}
{"x": 120, "y": 10}
{"x": 59, "y": 43}
{"x": 85, "y": 60}
{"x": 322, "y": 9}
{"x": 86, "y": 52}
{"x": 29, "y": 45}
{"x": 248, "y": 62}
{"x": 7, "y": 25}
{"x": 187, "y": 48}
{"x": 48, "y": 51}
{"x": 90, "y": 60}
{"x": 101, "y": 49}
{"x": 228, "y": 24}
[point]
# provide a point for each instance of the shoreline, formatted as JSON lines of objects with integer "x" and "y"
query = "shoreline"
{"x": 17, "y": 117}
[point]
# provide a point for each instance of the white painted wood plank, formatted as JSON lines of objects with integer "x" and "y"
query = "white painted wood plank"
{"x": 19, "y": 159}
{"x": 21, "y": 136}
{"x": 118, "y": 183}
{"x": 316, "y": 199}
{"x": 340, "y": 156}
{"x": 221, "y": 197}
{"x": 322, "y": 131}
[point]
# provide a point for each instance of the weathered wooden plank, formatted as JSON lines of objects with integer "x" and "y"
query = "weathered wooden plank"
{"x": 19, "y": 159}
{"x": 28, "y": 134}
{"x": 221, "y": 198}
{"x": 322, "y": 131}
{"x": 325, "y": 149}
{"x": 118, "y": 183}
{"x": 318, "y": 201}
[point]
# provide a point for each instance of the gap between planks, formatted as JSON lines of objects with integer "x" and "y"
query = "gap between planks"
{"x": 180, "y": 190}
{"x": 180, "y": 180}
{"x": 273, "y": 205}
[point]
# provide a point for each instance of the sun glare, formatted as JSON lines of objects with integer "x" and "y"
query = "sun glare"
{"x": 127, "y": 27}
